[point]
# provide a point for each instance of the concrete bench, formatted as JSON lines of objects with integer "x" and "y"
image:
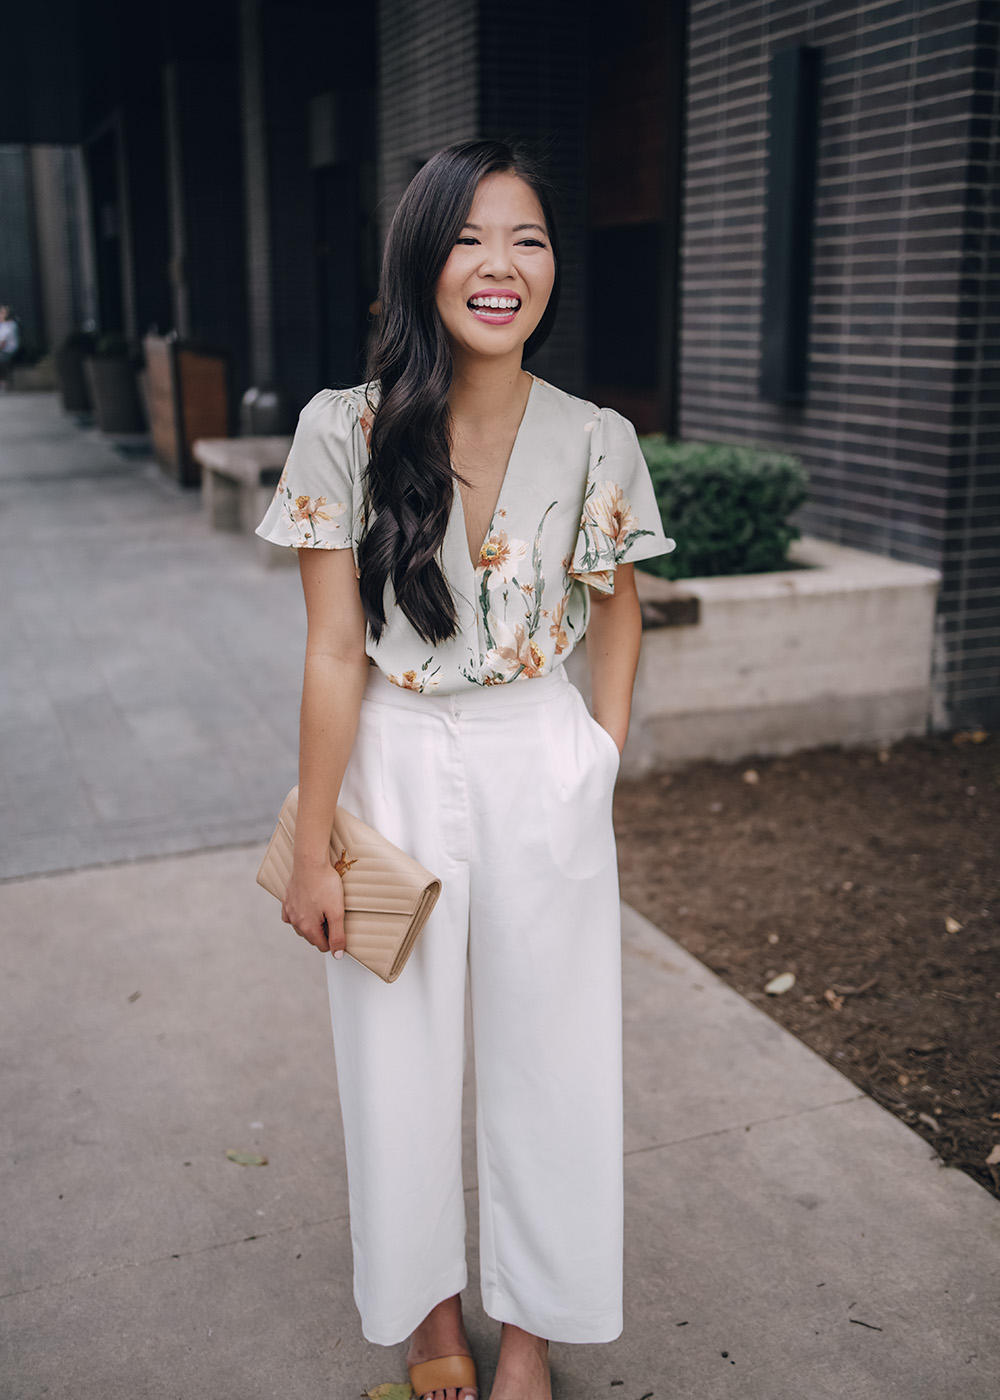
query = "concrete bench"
{"x": 238, "y": 480}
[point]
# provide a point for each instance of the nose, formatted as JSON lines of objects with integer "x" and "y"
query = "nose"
{"x": 496, "y": 260}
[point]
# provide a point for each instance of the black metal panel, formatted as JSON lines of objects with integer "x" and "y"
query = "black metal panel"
{"x": 791, "y": 161}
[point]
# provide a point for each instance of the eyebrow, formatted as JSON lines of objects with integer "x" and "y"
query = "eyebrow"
{"x": 517, "y": 228}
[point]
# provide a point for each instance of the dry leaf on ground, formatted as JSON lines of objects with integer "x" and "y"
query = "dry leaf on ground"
{"x": 246, "y": 1159}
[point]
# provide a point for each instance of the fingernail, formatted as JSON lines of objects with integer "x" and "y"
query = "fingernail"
{"x": 339, "y": 953}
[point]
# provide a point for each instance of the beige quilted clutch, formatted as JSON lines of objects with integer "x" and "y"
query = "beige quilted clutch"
{"x": 388, "y": 896}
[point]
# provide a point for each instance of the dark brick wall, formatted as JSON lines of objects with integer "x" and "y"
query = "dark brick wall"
{"x": 898, "y": 431}
{"x": 970, "y": 607}
{"x": 428, "y": 87}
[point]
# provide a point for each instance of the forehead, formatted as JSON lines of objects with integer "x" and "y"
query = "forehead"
{"x": 505, "y": 200}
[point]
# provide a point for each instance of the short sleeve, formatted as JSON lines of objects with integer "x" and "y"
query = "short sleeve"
{"x": 621, "y": 519}
{"x": 313, "y": 502}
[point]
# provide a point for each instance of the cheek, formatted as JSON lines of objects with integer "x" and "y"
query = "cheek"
{"x": 449, "y": 289}
{"x": 541, "y": 284}
{"x": 446, "y": 309}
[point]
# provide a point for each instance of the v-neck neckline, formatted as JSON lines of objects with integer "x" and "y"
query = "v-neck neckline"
{"x": 474, "y": 562}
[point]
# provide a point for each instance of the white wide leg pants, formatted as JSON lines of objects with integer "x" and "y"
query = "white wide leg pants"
{"x": 505, "y": 793}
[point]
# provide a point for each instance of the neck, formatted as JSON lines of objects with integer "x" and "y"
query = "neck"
{"x": 484, "y": 389}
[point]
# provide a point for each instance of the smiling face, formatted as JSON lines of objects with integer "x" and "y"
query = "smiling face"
{"x": 497, "y": 281}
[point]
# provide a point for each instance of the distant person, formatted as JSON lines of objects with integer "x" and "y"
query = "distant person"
{"x": 10, "y": 343}
{"x": 460, "y": 524}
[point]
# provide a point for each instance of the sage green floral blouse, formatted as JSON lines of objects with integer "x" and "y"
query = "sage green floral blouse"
{"x": 576, "y": 501}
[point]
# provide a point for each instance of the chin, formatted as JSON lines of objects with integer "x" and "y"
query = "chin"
{"x": 493, "y": 343}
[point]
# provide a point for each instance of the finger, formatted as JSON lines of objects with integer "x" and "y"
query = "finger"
{"x": 336, "y": 937}
{"x": 314, "y": 934}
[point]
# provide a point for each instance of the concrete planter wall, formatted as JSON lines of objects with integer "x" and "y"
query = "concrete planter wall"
{"x": 838, "y": 651}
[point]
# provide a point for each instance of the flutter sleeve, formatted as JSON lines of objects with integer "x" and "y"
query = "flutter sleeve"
{"x": 621, "y": 520}
{"x": 313, "y": 504}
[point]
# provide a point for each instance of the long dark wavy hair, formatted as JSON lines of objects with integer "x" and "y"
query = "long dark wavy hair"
{"x": 410, "y": 482}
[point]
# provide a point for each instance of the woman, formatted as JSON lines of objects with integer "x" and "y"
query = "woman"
{"x": 436, "y": 706}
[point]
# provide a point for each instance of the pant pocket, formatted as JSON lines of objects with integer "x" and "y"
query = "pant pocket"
{"x": 605, "y": 738}
{"x": 583, "y": 765}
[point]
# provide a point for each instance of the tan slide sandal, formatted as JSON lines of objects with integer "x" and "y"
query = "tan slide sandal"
{"x": 443, "y": 1373}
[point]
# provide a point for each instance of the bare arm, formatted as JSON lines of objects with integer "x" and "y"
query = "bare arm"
{"x": 336, "y": 672}
{"x": 614, "y": 634}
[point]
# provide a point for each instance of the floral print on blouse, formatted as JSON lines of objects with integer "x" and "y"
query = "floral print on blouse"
{"x": 576, "y": 501}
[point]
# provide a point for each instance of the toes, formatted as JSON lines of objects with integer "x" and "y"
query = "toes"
{"x": 466, "y": 1393}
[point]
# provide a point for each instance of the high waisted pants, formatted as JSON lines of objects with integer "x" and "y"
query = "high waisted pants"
{"x": 505, "y": 793}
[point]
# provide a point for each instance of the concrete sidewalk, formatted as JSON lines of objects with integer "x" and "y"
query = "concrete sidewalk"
{"x": 151, "y": 667}
{"x": 787, "y": 1239}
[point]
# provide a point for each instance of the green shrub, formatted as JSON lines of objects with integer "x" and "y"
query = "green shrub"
{"x": 726, "y": 506}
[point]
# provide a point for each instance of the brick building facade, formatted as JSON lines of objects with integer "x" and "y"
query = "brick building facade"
{"x": 244, "y": 159}
{"x": 900, "y": 429}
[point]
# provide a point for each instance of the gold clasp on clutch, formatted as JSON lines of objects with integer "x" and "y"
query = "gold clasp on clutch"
{"x": 343, "y": 865}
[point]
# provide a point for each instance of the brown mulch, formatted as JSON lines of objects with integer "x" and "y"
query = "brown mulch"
{"x": 874, "y": 877}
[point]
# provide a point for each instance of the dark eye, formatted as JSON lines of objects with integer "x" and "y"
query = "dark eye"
{"x": 466, "y": 238}
{"x": 531, "y": 242}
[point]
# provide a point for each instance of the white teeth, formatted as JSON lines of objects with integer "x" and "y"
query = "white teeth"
{"x": 495, "y": 303}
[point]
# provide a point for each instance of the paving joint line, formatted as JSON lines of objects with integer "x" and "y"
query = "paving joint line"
{"x": 745, "y": 1127}
{"x": 122, "y": 861}
{"x": 182, "y": 1254}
